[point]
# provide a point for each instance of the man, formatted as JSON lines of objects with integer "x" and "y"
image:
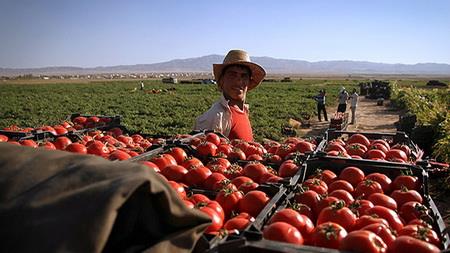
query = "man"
{"x": 230, "y": 114}
{"x": 353, "y": 104}
{"x": 321, "y": 105}
{"x": 343, "y": 97}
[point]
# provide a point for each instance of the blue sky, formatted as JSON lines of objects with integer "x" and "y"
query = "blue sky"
{"x": 89, "y": 33}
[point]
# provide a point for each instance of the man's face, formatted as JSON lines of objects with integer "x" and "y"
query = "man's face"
{"x": 234, "y": 82}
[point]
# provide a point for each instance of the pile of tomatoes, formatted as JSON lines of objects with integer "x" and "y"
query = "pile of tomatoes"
{"x": 338, "y": 120}
{"x": 359, "y": 146}
{"x": 358, "y": 212}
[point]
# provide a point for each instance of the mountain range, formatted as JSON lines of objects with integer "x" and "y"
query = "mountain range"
{"x": 272, "y": 66}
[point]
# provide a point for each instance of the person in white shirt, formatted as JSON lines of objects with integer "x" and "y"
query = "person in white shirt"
{"x": 343, "y": 97}
{"x": 353, "y": 103}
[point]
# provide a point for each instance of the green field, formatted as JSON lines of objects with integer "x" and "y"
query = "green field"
{"x": 166, "y": 113}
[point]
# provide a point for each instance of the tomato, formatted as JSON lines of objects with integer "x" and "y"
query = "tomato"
{"x": 48, "y": 145}
{"x": 224, "y": 149}
{"x": 60, "y": 130}
{"x": 196, "y": 176}
{"x": 363, "y": 241}
{"x": 253, "y": 202}
{"x": 379, "y": 146}
{"x": 358, "y": 138}
{"x": 421, "y": 222}
{"x": 410, "y": 182}
{"x": 366, "y": 220}
{"x": 179, "y": 189}
{"x": 284, "y": 150}
{"x": 235, "y": 170}
{"x": 383, "y": 142}
{"x": 198, "y": 198}
{"x": 282, "y": 232}
{"x": 356, "y": 149}
{"x": 309, "y": 198}
{"x": 79, "y": 120}
{"x": 375, "y": 154}
{"x": 328, "y": 235}
{"x": 382, "y": 179}
{"x": 62, "y": 142}
{"x": 335, "y": 147}
{"x": 236, "y": 223}
{"x": 423, "y": 233}
{"x": 389, "y": 215}
{"x": 316, "y": 185}
{"x": 325, "y": 202}
{"x": 240, "y": 180}
{"x": 150, "y": 165}
{"x": 380, "y": 199}
{"x": 353, "y": 175}
{"x": 366, "y": 188}
{"x": 339, "y": 214}
{"x": 289, "y": 216}
{"x": 178, "y": 153}
{"x": 288, "y": 169}
{"x": 174, "y": 172}
{"x": 118, "y": 155}
{"x": 206, "y": 148}
{"x": 340, "y": 185}
{"x": 191, "y": 162}
{"x": 360, "y": 206}
{"x": 217, "y": 221}
{"x": 404, "y": 148}
{"x": 248, "y": 186}
{"x": 255, "y": 170}
{"x": 383, "y": 231}
{"x": 410, "y": 244}
{"x": 393, "y": 154}
{"x": 342, "y": 195}
{"x": 97, "y": 148}
{"x": 414, "y": 210}
{"x": 304, "y": 146}
{"x": 236, "y": 154}
{"x": 327, "y": 176}
{"x": 214, "y": 179}
{"x": 405, "y": 195}
{"x": 213, "y": 138}
{"x": 229, "y": 200}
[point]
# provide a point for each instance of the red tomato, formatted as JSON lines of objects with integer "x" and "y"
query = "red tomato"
{"x": 342, "y": 195}
{"x": 213, "y": 138}
{"x": 404, "y": 148}
{"x": 366, "y": 220}
{"x": 353, "y": 175}
{"x": 356, "y": 149}
{"x": 179, "y": 189}
{"x": 283, "y": 232}
{"x": 206, "y": 148}
{"x": 62, "y": 142}
{"x": 309, "y": 198}
{"x": 358, "y": 138}
{"x": 248, "y": 186}
{"x": 363, "y": 241}
{"x": 405, "y": 195}
{"x": 361, "y": 206}
{"x": 196, "y": 176}
{"x": 224, "y": 149}
{"x": 60, "y": 130}
{"x": 178, "y": 153}
{"x": 410, "y": 244}
{"x": 219, "y": 161}
{"x": 255, "y": 170}
{"x": 79, "y": 120}
{"x": 97, "y": 148}
{"x": 217, "y": 221}
{"x": 375, "y": 154}
{"x": 383, "y": 231}
{"x": 214, "y": 179}
{"x": 48, "y": 145}
{"x": 316, "y": 185}
{"x": 236, "y": 154}
{"x": 380, "y": 199}
{"x": 423, "y": 233}
{"x": 253, "y": 202}
{"x": 383, "y": 142}
{"x": 229, "y": 200}
{"x": 328, "y": 235}
{"x": 414, "y": 210}
{"x": 198, "y": 198}
{"x": 284, "y": 150}
{"x": 292, "y": 217}
{"x": 174, "y": 172}
{"x": 236, "y": 223}
{"x": 382, "y": 179}
{"x": 118, "y": 155}
{"x": 325, "y": 202}
{"x": 327, "y": 176}
{"x": 421, "y": 222}
{"x": 28, "y": 143}
{"x": 191, "y": 162}
{"x": 366, "y": 188}
{"x": 410, "y": 182}
{"x": 235, "y": 170}
{"x": 335, "y": 147}
{"x": 339, "y": 214}
{"x": 396, "y": 154}
{"x": 288, "y": 169}
{"x": 304, "y": 146}
{"x": 240, "y": 180}
{"x": 150, "y": 165}
{"x": 389, "y": 215}
{"x": 379, "y": 146}
{"x": 340, "y": 185}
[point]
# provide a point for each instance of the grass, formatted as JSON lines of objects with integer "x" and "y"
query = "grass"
{"x": 166, "y": 113}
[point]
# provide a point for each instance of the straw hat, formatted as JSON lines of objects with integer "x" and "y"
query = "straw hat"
{"x": 241, "y": 57}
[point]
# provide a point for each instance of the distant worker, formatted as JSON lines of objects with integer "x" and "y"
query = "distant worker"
{"x": 142, "y": 85}
{"x": 343, "y": 97}
{"x": 320, "y": 99}
{"x": 353, "y": 103}
{"x": 230, "y": 115}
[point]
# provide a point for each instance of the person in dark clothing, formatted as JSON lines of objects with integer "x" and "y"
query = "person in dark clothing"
{"x": 321, "y": 105}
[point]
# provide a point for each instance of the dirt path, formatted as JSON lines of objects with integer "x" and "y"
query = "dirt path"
{"x": 369, "y": 118}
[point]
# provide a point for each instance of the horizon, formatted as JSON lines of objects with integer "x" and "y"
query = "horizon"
{"x": 90, "y": 34}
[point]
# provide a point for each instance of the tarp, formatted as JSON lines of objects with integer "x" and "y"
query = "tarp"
{"x": 55, "y": 201}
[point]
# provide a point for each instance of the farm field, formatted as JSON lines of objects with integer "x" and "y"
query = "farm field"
{"x": 161, "y": 109}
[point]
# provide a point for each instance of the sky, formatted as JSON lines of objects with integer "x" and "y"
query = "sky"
{"x": 90, "y": 33}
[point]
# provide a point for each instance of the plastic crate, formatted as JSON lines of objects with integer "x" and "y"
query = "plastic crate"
{"x": 15, "y": 135}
